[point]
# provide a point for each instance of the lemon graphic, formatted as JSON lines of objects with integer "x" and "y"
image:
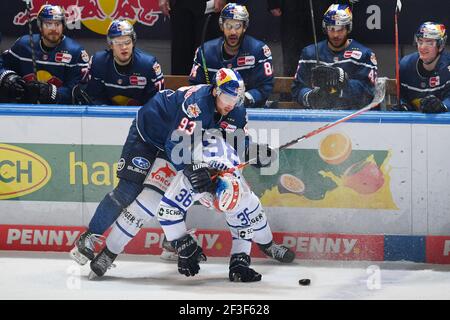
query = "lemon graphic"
{"x": 335, "y": 148}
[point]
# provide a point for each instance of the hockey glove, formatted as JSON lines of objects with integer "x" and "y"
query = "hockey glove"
{"x": 432, "y": 104}
{"x": 189, "y": 255}
{"x": 248, "y": 100}
{"x": 264, "y": 154}
{"x": 13, "y": 84}
{"x": 199, "y": 176}
{"x": 42, "y": 92}
{"x": 240, "y": 270}
{"x": 315, "y": 99}
{"x": 331, "y": 79}
{"x": 80, "y": 97}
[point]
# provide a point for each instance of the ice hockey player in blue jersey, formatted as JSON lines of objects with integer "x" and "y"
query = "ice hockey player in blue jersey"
{"x": 12, "y": 86}
{"x": 243, "y": 53}
{"x": 228, "y": 194}
{"x": 150, "y": 138}
{"x": 60, "y": 61}
{"x": 346, "y": 74}
{"x": 123, "y": 75}
{"x": 425, "y": 74}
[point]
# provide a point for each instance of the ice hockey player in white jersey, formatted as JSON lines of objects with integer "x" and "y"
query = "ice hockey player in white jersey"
{"x": 229, "y": 193}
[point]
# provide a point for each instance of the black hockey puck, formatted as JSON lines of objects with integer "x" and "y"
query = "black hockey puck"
{"x": 304, "y": 282}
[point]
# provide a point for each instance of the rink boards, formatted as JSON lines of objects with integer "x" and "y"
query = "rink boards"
{"x": 385, "y": 197}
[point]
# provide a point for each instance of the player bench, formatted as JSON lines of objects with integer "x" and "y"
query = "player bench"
{"x": 282, "y": 86}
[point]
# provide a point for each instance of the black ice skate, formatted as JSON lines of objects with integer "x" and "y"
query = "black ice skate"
{"x": 277, "y": 252}
{"x": 101, "y": 263}
{"x": 84, "y": 247}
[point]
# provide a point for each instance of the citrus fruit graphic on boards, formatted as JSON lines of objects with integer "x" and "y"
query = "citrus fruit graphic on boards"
{"x": 290, "y": 184}
{"x": 335, "y": 148}
{"x": 364, "y": 177}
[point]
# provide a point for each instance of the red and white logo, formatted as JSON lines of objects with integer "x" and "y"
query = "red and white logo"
{"x": 246, "y": 61}
{"x": 138, "y": 81}
{"x": 435, "y": 81}
{"x": 353, "y": 54}
{"x": 161, "y": 175}
{"x": 228, "y": 127}
{"x": 63, "y": 57}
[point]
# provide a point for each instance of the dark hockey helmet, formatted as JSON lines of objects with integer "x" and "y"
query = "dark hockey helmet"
{"x": 230, "y": 82}
{"x": 51, "y": 13}
{"x": 235, "y": 12}
{"x": 432, "y": 30}
{"x": 120, "y": 27}
{"x": 338, "y": 15}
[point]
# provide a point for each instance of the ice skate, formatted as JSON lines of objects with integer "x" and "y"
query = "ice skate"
{"x": 83, "y": 251}
{"x": 277, "y": 252}
{"x": 101, "y": 263}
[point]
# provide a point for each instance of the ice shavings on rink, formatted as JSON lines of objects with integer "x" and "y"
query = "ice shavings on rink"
{"x": 34, "y": 275}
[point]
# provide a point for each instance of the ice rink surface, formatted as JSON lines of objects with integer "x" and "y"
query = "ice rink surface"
{"x": 34, "y": 275}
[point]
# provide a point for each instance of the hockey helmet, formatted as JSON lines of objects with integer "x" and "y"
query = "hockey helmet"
{"x": 432, "y": 30}
{"x": 118, "y": 28}
{"x": 235, "y": 12}
{"x": 51, "y": 13}
{"x": 228, "y": 192}
{"x": 338, "y": 15}
{"x": 230, "y": 83}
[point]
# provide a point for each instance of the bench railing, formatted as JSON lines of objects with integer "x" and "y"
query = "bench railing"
{"x": 282, "y": 88}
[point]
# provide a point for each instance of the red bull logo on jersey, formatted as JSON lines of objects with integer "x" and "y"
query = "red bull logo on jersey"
{"x": 96, "y": 15}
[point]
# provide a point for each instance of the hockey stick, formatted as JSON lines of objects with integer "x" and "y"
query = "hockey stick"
{"x": 380, "y": 91}
{"x": 30, "y": 32}
{"x": 205, "y": 68}
{"x": 314, "y": 32}
{"x": 398, "y": 8}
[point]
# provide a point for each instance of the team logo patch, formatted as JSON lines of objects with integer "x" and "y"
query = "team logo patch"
{"x": 120, "y": 164}
{"x": 246, "y": 61}
{"x": 435, "y": 81}
{"x": 228, "y": 127}
{"x": 266, "y": 51}
{"x": 138, "y": 81}
{"x": 373, "y": 58}
{"x": 355, "y": 54}
{"x": 63, "y": 57}
{"x": 84, "y": 56}
{"x": 157, "y": 68}
{"x": 141, "y": 163}
{"x": 193, "y": 110}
